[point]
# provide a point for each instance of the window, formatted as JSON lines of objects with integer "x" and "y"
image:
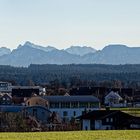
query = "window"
{"x": 65, "y": 105}
{"x": 74, "y": 104}
{"x": 54, "y": 105}
{"x": 107, "y": 119}
{"x": 74, "y": 113}
{"x": 94, "y": 104}
{"x": 111, "y": 119}
{"x": 83, "y": 104}
{"x": 65, "y": 113}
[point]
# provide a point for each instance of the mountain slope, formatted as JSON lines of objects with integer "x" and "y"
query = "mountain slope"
{"x": 115, "y": 54}
{"x": 4, "y": 50}
{"x": 47, "y": 49}
{"x": 77, "y": 50}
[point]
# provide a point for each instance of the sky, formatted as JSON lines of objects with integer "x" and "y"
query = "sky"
{"x": 63, "y": 23}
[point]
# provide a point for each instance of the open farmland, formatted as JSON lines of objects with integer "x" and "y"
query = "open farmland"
{"x": 77, "y": 135}
{"x": 131, "y": 111}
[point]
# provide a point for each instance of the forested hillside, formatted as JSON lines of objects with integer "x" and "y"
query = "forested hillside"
{"x": 71, "y": 74}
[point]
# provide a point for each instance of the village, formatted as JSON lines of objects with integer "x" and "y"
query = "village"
{"x": 33, "y": 108}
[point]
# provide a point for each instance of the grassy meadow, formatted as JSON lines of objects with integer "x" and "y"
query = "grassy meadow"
{"x": 74, "y": 135}
{"x": 131, "y": 111}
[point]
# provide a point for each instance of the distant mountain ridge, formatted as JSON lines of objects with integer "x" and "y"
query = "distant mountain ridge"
{"x": 115, "y": 54}
{"x": 47, "y": 49}
{"x": 78, "y": 50}
{"x": 30, "y": 53}
{"x": 4, "y": 50}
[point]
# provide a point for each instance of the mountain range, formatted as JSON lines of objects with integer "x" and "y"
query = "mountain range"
{"x": 30, "y": 53}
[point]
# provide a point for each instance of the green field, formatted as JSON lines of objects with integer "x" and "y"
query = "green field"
{"x": 131, "y": 111}
{"x": 77, "y": 135}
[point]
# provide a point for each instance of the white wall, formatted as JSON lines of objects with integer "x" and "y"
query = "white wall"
{"x": 86, "y": 125}
{"x": 98, "y": 124}
{"x": 70, "y": 111}
{"x": 119, "y": 105}
{"x": 137, "y": 126}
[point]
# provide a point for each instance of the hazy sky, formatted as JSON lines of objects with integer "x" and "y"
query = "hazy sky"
{"x": 62, "y": 23}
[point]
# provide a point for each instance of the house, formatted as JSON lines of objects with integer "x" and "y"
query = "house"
{"x": 101, "y": 92}
{"x": 98, "y": 92}
{"x": 135, "y": 123}
{"x": 5, "y": 99}
{"x": 69, "y": 107}
{"x": 136, "y": 98}
{"x": 40, "y": 113}
{"x": 36, "y": 100}
{"x": 32, "y": 116}
{"x": 113, "y": 99}
{"x": 25, "y": 91}
{"x": 21, "y": 93}
{"x": 105, "y": 119}
{"x": 5, "y": 87}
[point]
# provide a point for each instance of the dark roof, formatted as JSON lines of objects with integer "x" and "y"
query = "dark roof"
{"x": 24, "y": 92}
{"x": 37, "y": 106}
{"x": 6, "y": 95}
{"x": 71, "y": 98}
{"x": 101, "y": 114}
{"x": 25, "y": 87}
{"x": 87, "y": 90}
{"x": 11, "y": 108}
{"x": 99, "y": 91}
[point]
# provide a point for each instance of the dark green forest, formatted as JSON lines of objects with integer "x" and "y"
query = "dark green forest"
{"x": 72, "y": 75}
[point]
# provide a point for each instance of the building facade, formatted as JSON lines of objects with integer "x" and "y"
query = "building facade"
{"x": 5, "y": 99}
{"x": 67, "y": 107}
{"x": 5, "y": 87}
{"x": 106, "y": 120}
{"x": 40, "y": 113}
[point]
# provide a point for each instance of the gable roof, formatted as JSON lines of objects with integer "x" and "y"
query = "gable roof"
{"x": 113, "y": 95}
{"x": 5, "y": 95}
{"x": 35, "y": 98}
{"x": 101, "y": 114}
